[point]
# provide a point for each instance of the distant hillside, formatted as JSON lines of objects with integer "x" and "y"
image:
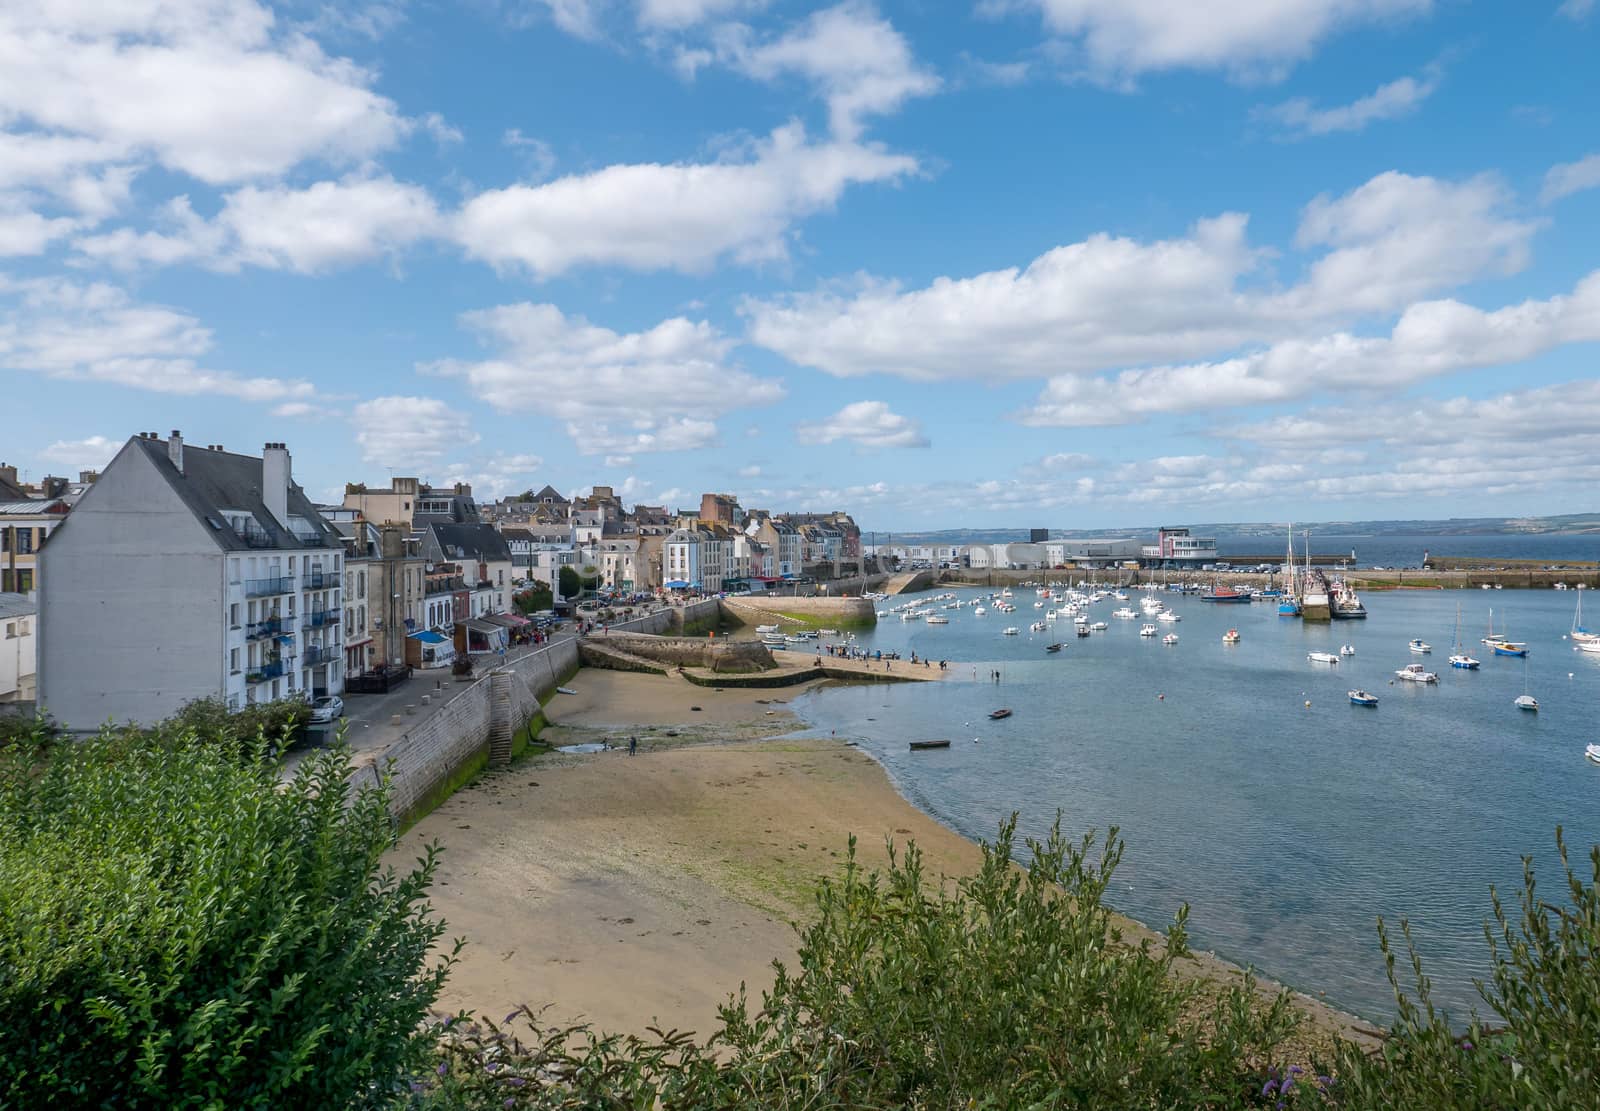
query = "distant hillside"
{"x": 1567, "y": 524}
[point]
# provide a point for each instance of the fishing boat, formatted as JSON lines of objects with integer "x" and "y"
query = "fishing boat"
{"x": 1592, "y": 753}
{"x": 1347, "y": 650}
{"x": 1168, "y": 616}
{"x": 997, "y": 715}
{"x": 1056, "y": 647}
{"x": 1579, "y": 634}
{"x": 1170, "y": 638}
{"x": 1362, "y": 698}
{"x": 1231, "y": 637}
{"x": 1420, "y": 646}
{"x": 1221, "y": 592}
{"x": 1346, "y": 602}
{"x": 1416, "y": 673}
{"x": 1147, "y": 630}
{"x": 1081, "y": 630}
{"x": 1322, "y": 657}
{"x": 923, "y": 746}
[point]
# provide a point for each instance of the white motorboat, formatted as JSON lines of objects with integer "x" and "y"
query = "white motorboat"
{"x": 1420, "y": 646}
{"x": 1464, "y": 662}
{"x": 774, "y": 628}
{"x": 1322, "y": 657}
{"x": 1231, "y": 637}
{"x": 938, "y": 619}
{"x": 1527, "y": 702}
{"x": 1592, "y": 646}
{"x": 1416, "y": 673}
{"x": 1347, "y": 650}
{"x": 1168, "y": 616}
{"x": 1592, "y": 752}
{"x": 1011, "y": 631}
{"x": 1037, "y": 627}
{"x": 1099, "y": 626}
{"x": 1147, "y": 630}
{"x": 829, "y": 632}
{"x": 1125, "y": 614}
{"x": 979, "y": 611}
{"x": 1170, "y": 638}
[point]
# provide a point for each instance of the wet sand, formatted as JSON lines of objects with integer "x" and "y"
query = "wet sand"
{"x": 638, "y": 891}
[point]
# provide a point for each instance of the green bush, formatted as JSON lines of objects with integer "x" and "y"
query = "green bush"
{"x": 282, "y": 722}
{"x": 1013, "y": 988}
{"x": 535, "y": 599}
{"x": 178, "y": 928}
{"x": 1541, "y": 1048}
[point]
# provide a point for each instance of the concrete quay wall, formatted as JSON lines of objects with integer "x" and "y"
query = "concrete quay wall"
{"x": 821, "y": 612}
{"x": 722, "y": 656}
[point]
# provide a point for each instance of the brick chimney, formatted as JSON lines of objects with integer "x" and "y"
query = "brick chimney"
{"x": 275, "y": 479}
{"x": 175, "y": 449}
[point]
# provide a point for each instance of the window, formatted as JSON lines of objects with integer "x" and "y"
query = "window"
{"x": 25, "y": 541}
{"x": 233, "y": 661}
{"x": 11, "y": 630}
{"x": 233, "y": 615}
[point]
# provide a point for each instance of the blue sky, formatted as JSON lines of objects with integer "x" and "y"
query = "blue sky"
{"x": 1076, "y": 263}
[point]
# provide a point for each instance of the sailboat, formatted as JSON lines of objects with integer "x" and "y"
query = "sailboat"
{"x": 1461, "y": 659}
{"x": 1579, "y": 634}
{"x": 1289, "y": 604}
{"x": 1504, "y": 647}
{"x": 1526, "y": 701}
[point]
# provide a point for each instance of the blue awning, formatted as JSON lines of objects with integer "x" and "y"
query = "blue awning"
{"x": 428, "y": 636}
{"x": 676, "y": 584}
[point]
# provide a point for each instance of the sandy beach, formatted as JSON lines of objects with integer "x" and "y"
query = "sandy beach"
{"x": 631, "y": 891}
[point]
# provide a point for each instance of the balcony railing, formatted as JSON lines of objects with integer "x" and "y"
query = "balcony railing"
{"x": 275, "y": 626}
{"x": 312, "y": 657}
{"x": 263, "y": 588}
{"x": 320, "y": 619}
{"x": 319, "y": 580}
{"x": 262, "y": 672}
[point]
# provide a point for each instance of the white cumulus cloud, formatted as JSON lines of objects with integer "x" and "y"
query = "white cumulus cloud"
{"x": 621, "y": 393}
{"x": 678, "y": 216}
{"x": 406, "y": 432}
{"x": 869, "y": 424}
{"x": 1390, "y": 101}
{"x": 1571, "y": 177}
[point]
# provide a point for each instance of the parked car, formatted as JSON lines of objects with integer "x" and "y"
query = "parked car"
{"x": 328, "y": 708}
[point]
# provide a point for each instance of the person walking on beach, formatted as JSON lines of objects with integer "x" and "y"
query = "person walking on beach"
{"x": 633, "y": 745}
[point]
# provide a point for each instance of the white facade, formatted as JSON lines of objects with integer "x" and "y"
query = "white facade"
{"x": 158, "y": 590}
{"x": 19, "y": 624}
{"x": 680, "y": 557}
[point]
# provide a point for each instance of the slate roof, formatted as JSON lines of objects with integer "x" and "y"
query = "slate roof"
{"x": 212, "y": 481}
{"x": 470, "y": 541}
{"x": 17, "y": 605}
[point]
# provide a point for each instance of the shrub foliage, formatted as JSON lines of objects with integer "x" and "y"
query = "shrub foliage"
{"x": 178, "y": 928}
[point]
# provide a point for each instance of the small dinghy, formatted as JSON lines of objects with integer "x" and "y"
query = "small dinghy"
{"x": 1592, "y": 753}
{"x": 919, "y": 746}
{"x": 1056, "y": 647}
{"x": 996, "y": 715}
{"x": 565, "y": 690}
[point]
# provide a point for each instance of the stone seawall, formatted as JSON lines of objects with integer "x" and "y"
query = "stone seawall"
{"x": 721, "y": 656}
{"x": 451, "y": 745}
{"x": 837, "y": 613}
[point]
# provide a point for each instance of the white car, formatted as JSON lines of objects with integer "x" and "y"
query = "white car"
{"x": 329, "y": 708}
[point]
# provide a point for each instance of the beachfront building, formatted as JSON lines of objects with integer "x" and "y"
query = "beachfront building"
{"x": 24, "y": 525}
{"x": 215, "y": 572}
{"x": 1176, "y": 547}
{"x": 485, "y": 560}
{"x": 407, "y": 501}
{"x": 697, "y": 559}
{"x": 19, "y": 619}
{"x": 1091, "y": 553}
{"x": 783, "y": 542}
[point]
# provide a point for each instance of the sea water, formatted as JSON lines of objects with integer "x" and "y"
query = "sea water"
{"x": 1245, "y": 782}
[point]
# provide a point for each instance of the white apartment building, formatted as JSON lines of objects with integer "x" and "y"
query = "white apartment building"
{"x": 680, "y": 559}
{"x": 19, "y": 618}
{"x": 188, "y": 573}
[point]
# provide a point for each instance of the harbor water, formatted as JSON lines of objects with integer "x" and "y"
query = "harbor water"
{"x": 1245, "y": 782}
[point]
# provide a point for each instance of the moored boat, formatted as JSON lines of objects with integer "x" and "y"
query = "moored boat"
{"x": 1147, "y": 630}
{"x": 1347, "y": 650}
{"x": 1362, "y": 698}
{"x": 921, "y": 746}
{"x": 1010, "y": 631}
{"x": 1592, "y": 753}
{"x": 997, "y": 715}
{"x": 1170, "y": 638}
{"x": 1056, "y": 647}
{"x": 1322, "y": 657}
{"x": 1419, "y": 645}
{"x": 1527, "y": 702}
{"x": 1416, "y": 673}
{"x": 1231, "y": 637}
{"x": 1222, "y": 592}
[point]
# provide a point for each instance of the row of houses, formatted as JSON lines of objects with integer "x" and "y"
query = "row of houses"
{"x": 1174, "y": 547}
{"x": 183, "y": 572}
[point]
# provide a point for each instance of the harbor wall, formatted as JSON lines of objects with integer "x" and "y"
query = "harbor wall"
{"x": 837, "y": 613}
{"x": 719, "y": 655}
{"x": 1362, "y": 580}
